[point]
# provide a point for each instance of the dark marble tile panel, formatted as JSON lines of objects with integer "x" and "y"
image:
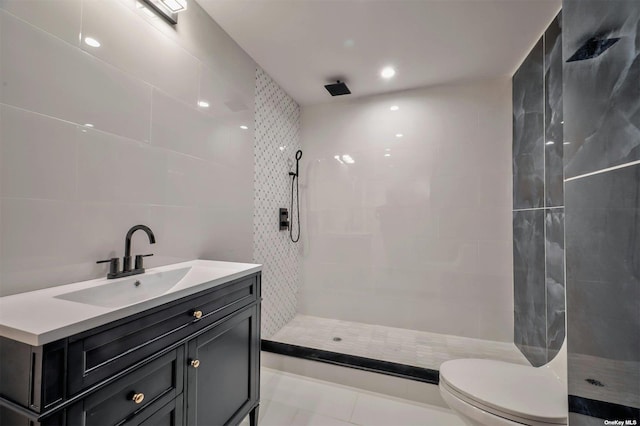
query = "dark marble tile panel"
{"x": 602, "y": 94}
{"x": 603, "y": 264}
{"x": 602, "y": 322}
{"x": 554, "y": 242}
{"x": 528, "y": 131}
{"x": 553, "y": 115}
{"x": 529, "y": 285}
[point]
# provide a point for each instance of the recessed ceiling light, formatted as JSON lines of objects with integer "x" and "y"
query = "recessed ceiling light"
{"x": 387, "y": 72}
{"x": 88, "y": 125}
{"x": 399, "y": 135}
{"x": 567, "y": 143}
{"x": 92, "y": 42}
{"x": 550, "y": 142}
{"x": 243, "y": 127}
{"x": 387, "y": 155}
{"x": 394, "y": 108}
{"x": 203, "y": 104}
{"x": 348, "y": 159}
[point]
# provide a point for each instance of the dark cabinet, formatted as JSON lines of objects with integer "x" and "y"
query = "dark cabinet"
{"x": 224, "y": 386}
{"x": 192, "y": 361}
{"x": 99, "y": 353}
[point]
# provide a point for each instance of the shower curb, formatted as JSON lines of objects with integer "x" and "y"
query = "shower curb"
{"x": 602, "y": 409}
{"x": 410, "y": 372}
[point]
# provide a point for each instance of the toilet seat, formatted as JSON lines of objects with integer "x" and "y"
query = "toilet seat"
{"x": 522, "y": 394}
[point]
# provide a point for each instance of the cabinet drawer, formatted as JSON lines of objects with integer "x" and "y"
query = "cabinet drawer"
{"x": 169, "y": 415}
{"x": 100, "y": 353}
{"x": 152, "y": 385}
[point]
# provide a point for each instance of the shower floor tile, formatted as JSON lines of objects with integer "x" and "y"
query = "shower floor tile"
{"x": 410, "y": 347}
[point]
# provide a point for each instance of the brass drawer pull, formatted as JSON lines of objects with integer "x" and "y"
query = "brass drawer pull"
{"x": 197, "y": 314}
{"x": 195, "y": 363}
{"x": 137, "y": 397}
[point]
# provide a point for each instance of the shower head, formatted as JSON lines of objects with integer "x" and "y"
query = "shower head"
{"x": 338, "y": 89}
{"x": 298, "y": 157}
{"x": 592, "y": 48}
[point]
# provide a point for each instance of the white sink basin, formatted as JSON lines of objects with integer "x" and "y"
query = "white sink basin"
{"x": 128, "y": 291}
{"x": 62, "y": 311}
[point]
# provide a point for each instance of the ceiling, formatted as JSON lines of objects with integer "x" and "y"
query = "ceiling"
{"x": 305, "y": 44}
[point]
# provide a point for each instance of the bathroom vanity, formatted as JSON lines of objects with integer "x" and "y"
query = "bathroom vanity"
{"x": 177, "y": 345}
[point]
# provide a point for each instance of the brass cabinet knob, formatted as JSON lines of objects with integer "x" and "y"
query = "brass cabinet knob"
{"x": 197, "y": 314}
{"x": 137, "y": 397}
{"x": 195, "y": 363}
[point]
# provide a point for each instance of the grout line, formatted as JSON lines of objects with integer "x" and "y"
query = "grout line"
{"x": 353, "y": 409}
{"x": 608, "y": 169}
{"x": 538, "y": 208}
{"x": 81, "y": 26}
{"x": 546, "y": 307}
{"x": 151, "y": 118}
{"x": 544, "y": 122}
{"x": 544, "y": 192}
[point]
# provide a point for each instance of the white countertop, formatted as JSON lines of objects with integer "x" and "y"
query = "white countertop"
{"x": 41, "y": 316}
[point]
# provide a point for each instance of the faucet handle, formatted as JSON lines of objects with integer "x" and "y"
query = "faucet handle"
{"x": 138, "y": 262}
{"x": 114, "y": 263}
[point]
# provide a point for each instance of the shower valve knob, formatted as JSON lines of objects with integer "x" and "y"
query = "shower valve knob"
{"x": 283, "y": 215}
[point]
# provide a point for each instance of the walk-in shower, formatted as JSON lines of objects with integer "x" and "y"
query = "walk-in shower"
{"x": 406, "y": 257}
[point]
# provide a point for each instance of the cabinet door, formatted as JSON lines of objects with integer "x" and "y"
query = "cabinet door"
{"x": 224, "y": 386}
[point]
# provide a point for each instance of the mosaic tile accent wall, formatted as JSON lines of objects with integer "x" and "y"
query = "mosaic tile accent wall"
{"x": 277, "y": 138}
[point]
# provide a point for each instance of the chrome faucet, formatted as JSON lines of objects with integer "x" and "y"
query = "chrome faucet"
{"x": 126, "y": 260}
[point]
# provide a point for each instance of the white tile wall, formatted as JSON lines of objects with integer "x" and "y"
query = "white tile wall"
{"x": 276, "y": 141}
{"x": 421, "y": 238}
{"x": 69, "y": 192}
{"x": 60, "y": 18}
{"x": 157, "y": 60}
{"x": 46, "y": 75}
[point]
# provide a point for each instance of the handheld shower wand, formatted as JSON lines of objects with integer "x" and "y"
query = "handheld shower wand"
{"x": 294, "y": 183}
{"x": 298, "y": 157}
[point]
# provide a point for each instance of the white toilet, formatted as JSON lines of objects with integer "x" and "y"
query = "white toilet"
{"x": 487, "y": 392}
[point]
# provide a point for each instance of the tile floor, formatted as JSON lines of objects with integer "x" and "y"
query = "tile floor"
{"x": 403, "y": 346}
{"x": 288, "y": 400}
